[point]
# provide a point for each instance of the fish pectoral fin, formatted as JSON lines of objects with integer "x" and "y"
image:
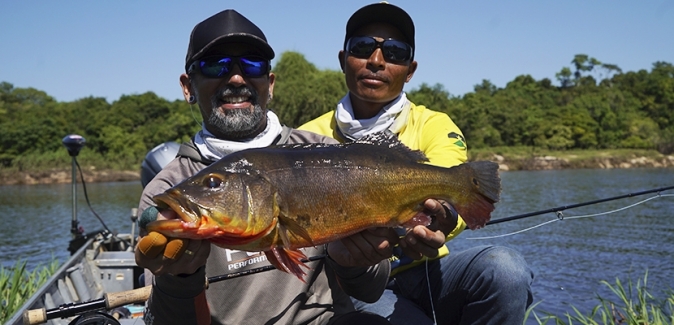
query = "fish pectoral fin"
{"x": 289, "y": 227}
{"x": 289, "y": 261}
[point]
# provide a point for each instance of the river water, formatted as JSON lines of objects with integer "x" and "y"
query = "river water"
{"x": 569, "y": 256}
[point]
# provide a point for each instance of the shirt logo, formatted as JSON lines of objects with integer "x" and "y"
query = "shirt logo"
{"x": 460, "y": 140}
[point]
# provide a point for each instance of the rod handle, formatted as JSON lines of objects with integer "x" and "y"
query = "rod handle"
{"x": 112, "y": 300}
{"x": 116, "y": 299}
{"x": 35, "y": 316}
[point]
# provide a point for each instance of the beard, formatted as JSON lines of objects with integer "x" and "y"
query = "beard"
{"x": 237, "y": 123}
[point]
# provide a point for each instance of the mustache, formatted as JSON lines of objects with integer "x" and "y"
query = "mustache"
{"x": 229, "y": 90}
{"x": 372, "y": 75}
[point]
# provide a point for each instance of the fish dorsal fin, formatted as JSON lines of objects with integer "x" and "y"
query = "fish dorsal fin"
{"x": 385, "y": 139}
{"x": 389, "y": 140}
{"x": 304, "y": 145}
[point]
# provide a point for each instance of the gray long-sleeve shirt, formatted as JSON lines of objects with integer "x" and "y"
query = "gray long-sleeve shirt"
{"x": 271, "y": 297}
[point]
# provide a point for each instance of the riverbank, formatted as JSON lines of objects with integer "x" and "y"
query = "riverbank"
{"x": 552, "y": 162}
{"x": 509, "y": 159}
{"x": 54, "y": 176}
{"x": 522, "y": 158}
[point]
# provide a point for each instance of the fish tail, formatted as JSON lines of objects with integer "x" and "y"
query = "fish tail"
{"x": 489, "y": 180}
{"x": 484, "y": 190}
{"x": 289, "y": 261}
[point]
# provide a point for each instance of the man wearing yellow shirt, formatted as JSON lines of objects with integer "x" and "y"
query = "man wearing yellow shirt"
{"x": 482, "y": 285}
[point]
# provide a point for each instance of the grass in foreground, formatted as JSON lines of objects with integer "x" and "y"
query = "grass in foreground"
{"x": 635, "y": 306}
{"x": 17, "y": 285}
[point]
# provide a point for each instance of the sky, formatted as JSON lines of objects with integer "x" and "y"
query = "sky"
{"x": 76, "y": 49}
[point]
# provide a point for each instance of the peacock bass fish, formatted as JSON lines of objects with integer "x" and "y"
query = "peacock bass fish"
{"x": 279, "y": 199}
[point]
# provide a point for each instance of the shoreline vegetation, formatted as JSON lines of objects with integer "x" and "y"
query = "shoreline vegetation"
{"x": 594, "y": 115}
{"x": 508, "y": 158}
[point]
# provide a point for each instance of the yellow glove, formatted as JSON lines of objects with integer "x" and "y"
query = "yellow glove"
{"x": 155, "y": 243}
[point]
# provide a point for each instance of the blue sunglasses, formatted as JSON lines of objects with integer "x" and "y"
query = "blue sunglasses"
{"x": 221, "y": 66}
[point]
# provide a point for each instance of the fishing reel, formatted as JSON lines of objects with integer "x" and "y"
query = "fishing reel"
{"x": 101, "y": 318}
{"x": 94, "y": 318}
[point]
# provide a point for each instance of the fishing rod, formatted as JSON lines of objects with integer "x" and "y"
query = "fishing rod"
{"x": 118, "y": 299}
{"x": 571, "y": 206}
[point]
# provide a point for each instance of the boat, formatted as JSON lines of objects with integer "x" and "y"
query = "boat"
{"x": 79, "y": 292}
{"x": 100, "y": 283}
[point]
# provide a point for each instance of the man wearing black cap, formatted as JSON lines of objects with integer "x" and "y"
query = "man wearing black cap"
{"x": 228, "y": 76}
{"x": 482, "y": 285}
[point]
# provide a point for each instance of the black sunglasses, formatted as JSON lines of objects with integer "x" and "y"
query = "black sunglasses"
{"x": 221, "y": 66}
{"x": 393, "y": 50}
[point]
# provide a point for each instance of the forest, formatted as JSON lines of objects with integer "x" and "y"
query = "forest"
{"x": 590, "y": 105}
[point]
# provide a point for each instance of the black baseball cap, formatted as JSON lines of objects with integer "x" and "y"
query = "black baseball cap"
{"x": 225, "y": 26}
{"x": 382, "y": 12}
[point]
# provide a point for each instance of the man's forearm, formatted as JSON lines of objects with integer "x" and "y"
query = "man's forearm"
{"x": 363, "y": 283}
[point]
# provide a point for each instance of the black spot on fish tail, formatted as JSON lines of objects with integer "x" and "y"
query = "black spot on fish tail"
{"x": 476, "y": 209}
{"x": 487, "y": 179}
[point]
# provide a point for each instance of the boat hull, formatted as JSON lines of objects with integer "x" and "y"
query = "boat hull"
{"x": 90, "y": 273}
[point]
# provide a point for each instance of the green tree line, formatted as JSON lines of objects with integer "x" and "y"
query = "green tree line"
{"x": 592, "y": 105}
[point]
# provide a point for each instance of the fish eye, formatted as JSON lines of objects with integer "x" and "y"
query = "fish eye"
{"x": 212, "y": 181}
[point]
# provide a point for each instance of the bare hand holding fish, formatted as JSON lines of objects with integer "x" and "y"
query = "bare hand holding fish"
{"x": 423, "y": 241}
{"x": 280, "y": 199}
